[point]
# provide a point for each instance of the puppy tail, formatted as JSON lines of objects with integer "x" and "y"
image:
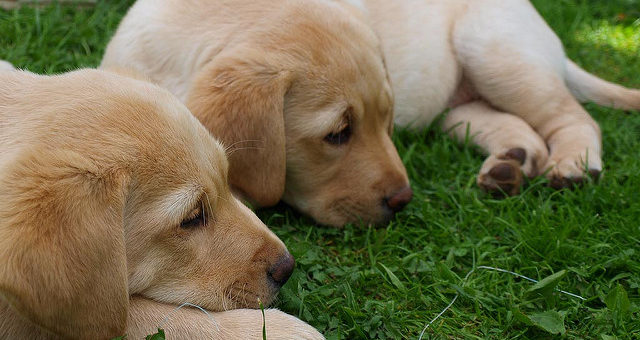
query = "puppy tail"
{"x": 6, "y": 66}
{"x": 588, "y": 88}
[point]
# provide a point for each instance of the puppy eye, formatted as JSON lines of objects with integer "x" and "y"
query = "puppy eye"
{"x": 339, "y": 138}
{"x": 195, "y": 219}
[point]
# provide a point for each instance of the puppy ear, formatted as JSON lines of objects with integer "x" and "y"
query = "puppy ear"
{"x": 62, "y": 250}
{"x": 241, "y": 102}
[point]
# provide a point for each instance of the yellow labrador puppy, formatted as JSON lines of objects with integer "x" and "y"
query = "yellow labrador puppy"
{"x": 111, "y": 188}
{"x": 297, "y": 89}
{"x": 503, "y": 72}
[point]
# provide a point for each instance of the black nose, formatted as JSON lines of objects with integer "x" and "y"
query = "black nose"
{"x": 281, "y": 271}
{"x": 399, "y": 200}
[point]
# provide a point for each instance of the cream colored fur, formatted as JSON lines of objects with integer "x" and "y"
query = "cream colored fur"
{"x": 6, "y": 66}
{"x": 272, "y": 79}
{"x": 98, "y": 173}
{"x": 233, "y": 324}
{"x": 502, "y": 70}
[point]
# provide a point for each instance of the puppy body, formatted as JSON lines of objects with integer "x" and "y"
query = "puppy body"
{"x": 296, "y": 89}
{"x": 503, "y": 72}
{"x": 112, "y": 188}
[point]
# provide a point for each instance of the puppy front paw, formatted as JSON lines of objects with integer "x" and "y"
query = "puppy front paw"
{"x": 282, "y": 326}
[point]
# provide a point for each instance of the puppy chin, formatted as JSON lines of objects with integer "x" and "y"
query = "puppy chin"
{"x": 336, "y": 215}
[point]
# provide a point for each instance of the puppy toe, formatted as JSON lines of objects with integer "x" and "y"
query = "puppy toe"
{"x": 558, "y": 182}
{"x": 518, "y": 154}
{"x": 528, "y": 159}
{"x": 570, "y": 173}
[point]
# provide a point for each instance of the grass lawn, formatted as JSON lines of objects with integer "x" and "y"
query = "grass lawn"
{"x": 387, "y": 283}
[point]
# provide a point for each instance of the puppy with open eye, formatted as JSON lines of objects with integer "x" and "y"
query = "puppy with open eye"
{"x": 110, "y": 189}
{"x": 297, "y": 88}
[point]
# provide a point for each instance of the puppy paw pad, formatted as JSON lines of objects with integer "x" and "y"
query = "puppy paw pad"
{"x": 505, "y": 177}
{"x": 503, "y": 172}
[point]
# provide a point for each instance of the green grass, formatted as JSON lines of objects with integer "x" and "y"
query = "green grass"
{"x": 360, "y": 282}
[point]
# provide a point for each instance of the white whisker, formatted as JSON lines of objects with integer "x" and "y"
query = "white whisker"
{"x": 241, "y": 141}
{"x": 245, "y": 148}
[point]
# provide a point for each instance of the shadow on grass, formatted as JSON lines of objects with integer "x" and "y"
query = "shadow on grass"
{"x": 603, "y": 34}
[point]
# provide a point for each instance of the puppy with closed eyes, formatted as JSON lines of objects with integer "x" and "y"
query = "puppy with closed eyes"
{"x": 297, "y": 87}
{"x": 504, "y": 74}
{"x": 112, "y": 189}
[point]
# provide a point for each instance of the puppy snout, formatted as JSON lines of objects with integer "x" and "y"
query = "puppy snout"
{"x": 281, "y": 271}
{"x": 399, "y": 200}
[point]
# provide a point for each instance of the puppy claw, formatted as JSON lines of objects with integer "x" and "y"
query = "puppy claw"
{"x": 558, "y": 182}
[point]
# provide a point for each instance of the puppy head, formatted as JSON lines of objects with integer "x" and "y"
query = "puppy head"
{"x": 315, "y": 114}
{"x": 117, "y": 190}
{"x": 200, "y": 243}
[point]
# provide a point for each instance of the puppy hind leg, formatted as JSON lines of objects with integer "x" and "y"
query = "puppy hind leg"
{"x": 517, "y": 64}
{"x": 513, "y": 147}
{"x": 573, "y": 137}
{"x": 542, "y": 100}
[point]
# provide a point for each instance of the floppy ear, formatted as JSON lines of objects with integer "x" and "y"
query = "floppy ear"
{"x": 62, "y": 250}
{"x": 241, "y": 102}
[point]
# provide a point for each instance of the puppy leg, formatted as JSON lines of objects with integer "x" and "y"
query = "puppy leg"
{"x": 517, "y": 64}
{"x": 512, "y": 145}
{"x": 145, "y": 316}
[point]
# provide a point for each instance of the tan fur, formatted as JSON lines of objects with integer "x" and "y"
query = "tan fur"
{"x": 190, "y": 323}
{"x": 272, "y": 79}
{"x": 97, "y": 172}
